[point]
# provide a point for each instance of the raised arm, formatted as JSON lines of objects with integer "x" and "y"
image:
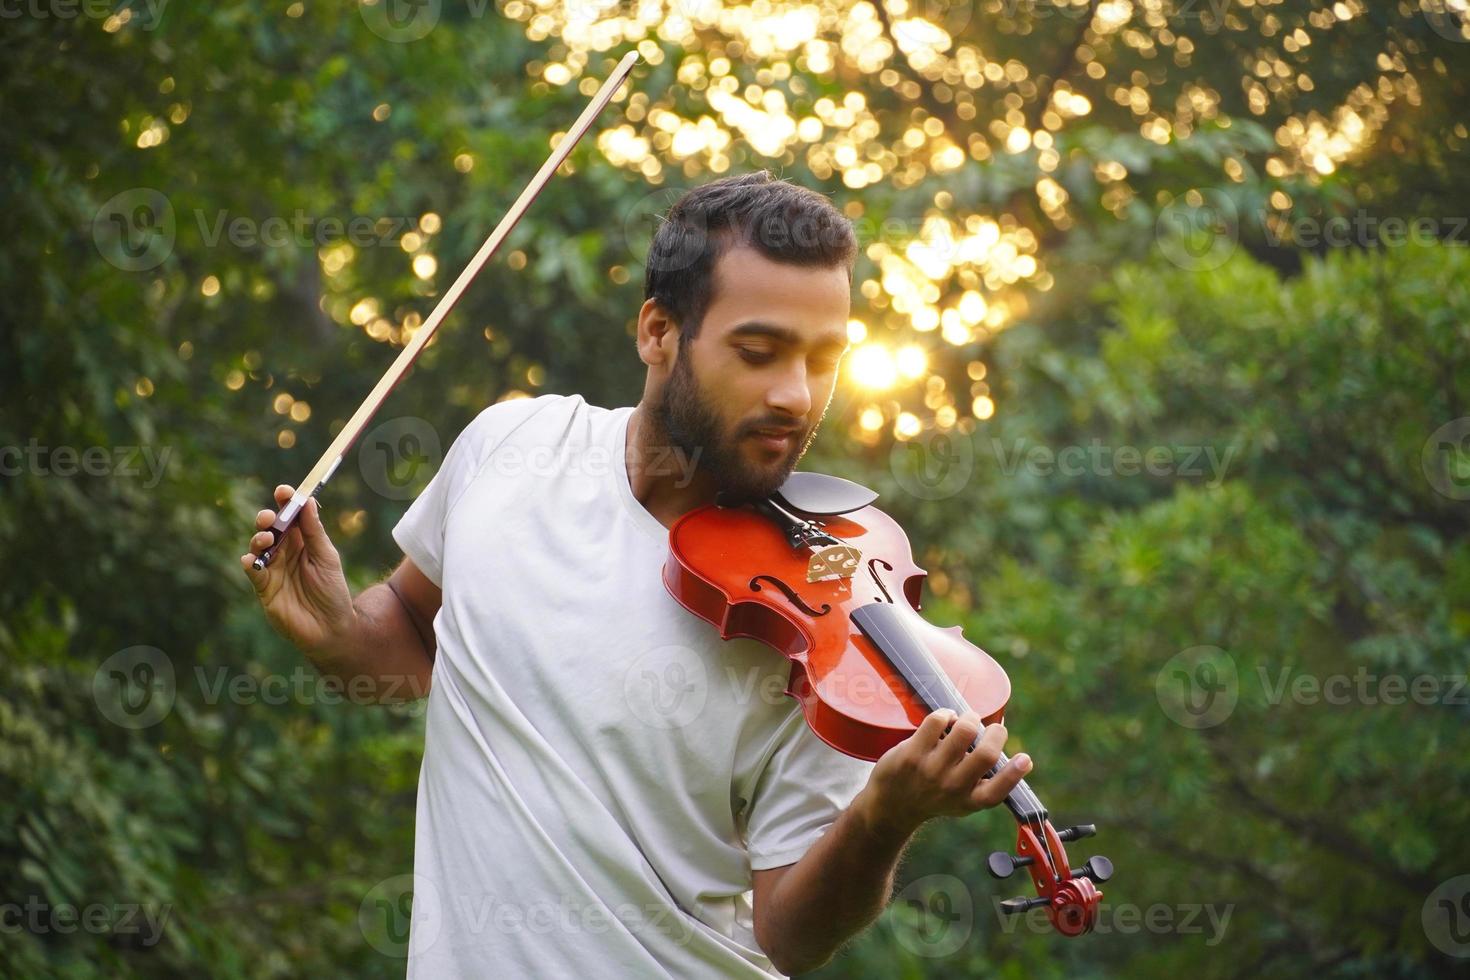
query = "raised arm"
{"x": 380, "y": 645}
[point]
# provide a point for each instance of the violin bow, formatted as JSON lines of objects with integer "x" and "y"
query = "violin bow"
{"x": 332, "y": 458}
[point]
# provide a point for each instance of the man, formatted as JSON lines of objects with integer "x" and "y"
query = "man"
{"x": 608, "y": 789}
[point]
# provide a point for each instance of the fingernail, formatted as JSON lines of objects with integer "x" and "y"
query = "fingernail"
{"x": 1023, "y": 763}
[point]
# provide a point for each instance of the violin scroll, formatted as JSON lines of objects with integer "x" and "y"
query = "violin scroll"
{"x": 1069, "y": 895}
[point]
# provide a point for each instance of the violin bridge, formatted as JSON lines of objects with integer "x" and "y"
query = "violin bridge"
{"x": 836, "y": 561}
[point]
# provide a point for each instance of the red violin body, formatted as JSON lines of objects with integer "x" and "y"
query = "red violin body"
{"x": 838, "y": 594}
{"x": 734, "y": 568}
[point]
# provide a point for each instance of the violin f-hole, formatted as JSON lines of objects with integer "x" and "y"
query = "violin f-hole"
{"x": 790, "y": 593}
{"x": 878, "y": 581}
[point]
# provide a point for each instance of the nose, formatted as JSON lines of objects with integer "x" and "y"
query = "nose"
{"x": 791, "y": 394}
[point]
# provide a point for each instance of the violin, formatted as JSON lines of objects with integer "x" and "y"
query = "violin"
{"x": 818, "y": 573}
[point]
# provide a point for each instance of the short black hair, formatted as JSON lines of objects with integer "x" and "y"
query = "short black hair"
{"x": 783, "y": 221}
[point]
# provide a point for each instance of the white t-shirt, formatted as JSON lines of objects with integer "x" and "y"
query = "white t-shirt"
{"x": 601, "y": 771}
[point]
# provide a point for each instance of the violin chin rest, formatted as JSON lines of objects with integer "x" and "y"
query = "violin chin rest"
{"x": 823, "y": 495}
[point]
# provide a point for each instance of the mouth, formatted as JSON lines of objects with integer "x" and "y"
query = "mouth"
{"x": 777, "y": 440}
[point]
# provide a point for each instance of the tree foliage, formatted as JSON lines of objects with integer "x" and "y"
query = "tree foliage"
{"x": 225, "y": 220}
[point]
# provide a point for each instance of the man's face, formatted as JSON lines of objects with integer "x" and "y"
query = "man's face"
{"x": 745, "y": 396}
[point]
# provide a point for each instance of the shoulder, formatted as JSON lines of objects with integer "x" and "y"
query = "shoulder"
{"x": 499, "y": 421}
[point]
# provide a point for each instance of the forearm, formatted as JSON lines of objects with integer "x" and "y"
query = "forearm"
{"x": 835, "y": 891}
{"x": 383, "y": 656}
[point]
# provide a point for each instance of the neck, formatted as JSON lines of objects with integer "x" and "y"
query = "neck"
{"x": 662, "y": 477}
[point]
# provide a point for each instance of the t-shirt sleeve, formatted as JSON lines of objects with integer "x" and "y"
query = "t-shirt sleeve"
{"x": 420, "y": 532}
{"x": 804, "y": 786}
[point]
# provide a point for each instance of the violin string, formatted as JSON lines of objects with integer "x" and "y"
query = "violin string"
{"x": 1021, "y": 792}
{"x": 1034, "y": 809}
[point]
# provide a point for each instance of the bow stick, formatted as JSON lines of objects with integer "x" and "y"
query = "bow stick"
{"x": 332, "y": 458}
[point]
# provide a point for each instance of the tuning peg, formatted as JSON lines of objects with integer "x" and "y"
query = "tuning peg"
{"x": 1098, "y": 868}
{"x": 1078, "y": 832}
{"x": 1003, "y": 865}
{"x": 1011, "y": 906}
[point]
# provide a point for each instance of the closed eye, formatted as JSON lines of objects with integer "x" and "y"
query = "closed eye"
{"x": 755, "y": 356}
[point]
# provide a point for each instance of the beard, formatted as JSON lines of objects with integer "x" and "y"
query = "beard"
{"x": 692, "y": 427}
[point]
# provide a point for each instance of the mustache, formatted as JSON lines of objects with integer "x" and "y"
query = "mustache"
{"x": 784, "y": 424}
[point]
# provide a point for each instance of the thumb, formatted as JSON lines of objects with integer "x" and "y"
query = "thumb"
{"x": 313, "y": 531}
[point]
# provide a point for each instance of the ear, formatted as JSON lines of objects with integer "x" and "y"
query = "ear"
{"x": 658, "y": 336}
